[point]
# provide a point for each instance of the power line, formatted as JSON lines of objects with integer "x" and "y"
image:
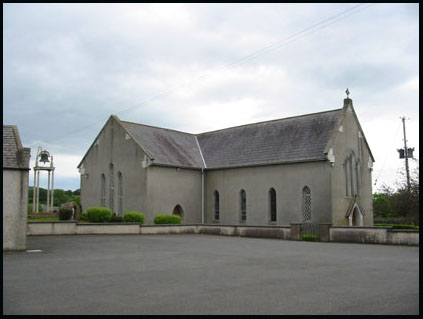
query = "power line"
{"x": 260, "y": 52}
{"x": 309, "y": 30}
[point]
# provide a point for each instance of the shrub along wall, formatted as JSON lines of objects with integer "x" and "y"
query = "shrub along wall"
{"x": 402, "y": 221}
{"x": 99, "y": 214}
{"x": 167, "y": 219}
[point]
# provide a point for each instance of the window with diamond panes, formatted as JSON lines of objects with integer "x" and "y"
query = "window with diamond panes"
{"x": 243, "y": 205}
{"x": 216, "y": 205}
{"x": 306, "y": 203}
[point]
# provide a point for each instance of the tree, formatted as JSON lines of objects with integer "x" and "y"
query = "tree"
{"x": 399, "y": 203}
{"x": 61, "y": 197}
{"x": 382, "y": 207}
{"x": 42, "y": 195}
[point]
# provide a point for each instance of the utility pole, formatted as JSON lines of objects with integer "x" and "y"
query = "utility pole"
{"x": 405, "y": 154}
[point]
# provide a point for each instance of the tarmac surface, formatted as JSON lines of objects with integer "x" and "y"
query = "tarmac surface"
{"x": 206, "y": 274}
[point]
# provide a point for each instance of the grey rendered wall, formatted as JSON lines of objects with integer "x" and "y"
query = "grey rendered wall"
{"x": 115, "y": 147}
{"x": 15, "y": 198}
{"x": 168, "y": 187}
{"x": 346, "y": 141}
{"x": 288, "y": 180}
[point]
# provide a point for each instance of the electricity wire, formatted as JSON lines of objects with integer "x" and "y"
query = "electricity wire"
{"x": 322, "y": 24}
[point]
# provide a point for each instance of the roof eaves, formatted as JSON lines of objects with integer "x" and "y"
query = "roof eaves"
{"x": 320, "y": 159}
{"x": 175, "y": 166}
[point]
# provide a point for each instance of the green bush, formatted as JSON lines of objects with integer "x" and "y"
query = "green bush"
{"x": 83, "y": 217}
{"x": 116, "y": 219}
{"x": 65, "y": 213}
{"x": 99, "y": 214}
{"x": 135, "y": 217}
{"x": 310, "y": 237}
{"x": 167, "y": 219}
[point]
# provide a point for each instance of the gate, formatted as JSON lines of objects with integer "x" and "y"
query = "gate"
{"x": 310, "y": 229}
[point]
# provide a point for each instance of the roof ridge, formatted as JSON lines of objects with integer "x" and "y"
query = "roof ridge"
{"x": 232, "y": 127}
{"x": 161, "y": 128}
{"x": 268, "y": 121}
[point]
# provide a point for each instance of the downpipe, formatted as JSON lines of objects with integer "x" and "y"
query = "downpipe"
{"x": 202, "y": 196}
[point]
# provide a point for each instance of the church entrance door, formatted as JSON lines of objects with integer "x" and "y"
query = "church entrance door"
{"x": 356, "y": 218}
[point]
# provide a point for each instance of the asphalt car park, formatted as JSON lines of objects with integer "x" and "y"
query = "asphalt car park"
{"x": 207, "y": 274}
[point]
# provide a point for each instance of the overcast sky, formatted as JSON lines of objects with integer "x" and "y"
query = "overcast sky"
{"x": 201, "y": 67}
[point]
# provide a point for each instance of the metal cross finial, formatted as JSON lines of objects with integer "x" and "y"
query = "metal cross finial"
{"x": 348, "y": 93}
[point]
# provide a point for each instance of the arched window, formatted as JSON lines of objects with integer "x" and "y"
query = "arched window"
{"x": 178, "y": 211}
{"x": 103, "y": 191}
{"x": 347, "y": 168}
{"x": 358, "y": 171}
{"x": 306, "y": 203}
{"x": 352, "y": 175}
{"x": 216, "y": 205}
{"x": 112, "y": 186}
{"x": 120, "y": 193}
{"x": 243, "y": 205}
{"x": 272, "y": 204}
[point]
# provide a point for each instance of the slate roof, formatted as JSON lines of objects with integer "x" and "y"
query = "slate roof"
{"x": 14, "y": 155}
{"x": 294, "y": 139}
{"x": 168, "y": 147}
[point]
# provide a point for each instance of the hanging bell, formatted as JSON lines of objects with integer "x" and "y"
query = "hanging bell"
{"x": 44, "y": 156}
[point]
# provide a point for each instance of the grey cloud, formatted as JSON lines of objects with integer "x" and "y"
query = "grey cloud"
{"x": 67, "y": 67}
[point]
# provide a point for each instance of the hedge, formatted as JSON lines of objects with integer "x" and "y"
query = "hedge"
{"x": 65, "y": 213}
{"x": 399, "y": 226}
{"x": 167, "y": 219}
{"x": 136, "y": 217}
{"x": 99, "y": 214}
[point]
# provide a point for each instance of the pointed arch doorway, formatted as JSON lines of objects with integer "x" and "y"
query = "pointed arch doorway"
{"x": 355, "y": 214}
{"x": 178, "y": 211}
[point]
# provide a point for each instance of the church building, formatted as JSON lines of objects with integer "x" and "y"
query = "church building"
{"x": 310, "y": 168}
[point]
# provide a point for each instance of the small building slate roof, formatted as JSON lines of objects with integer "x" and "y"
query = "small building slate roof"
{"x": 294, "y": 139}
{"x": 168, "y": 147}
{"x": 14, "y": 155}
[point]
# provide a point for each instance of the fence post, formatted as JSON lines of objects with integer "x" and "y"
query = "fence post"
{"x": 295, "y": 233}
{"x": 324, "y": 232}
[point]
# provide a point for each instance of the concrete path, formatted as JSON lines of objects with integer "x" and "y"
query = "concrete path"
{"x": 205, "y": 274}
